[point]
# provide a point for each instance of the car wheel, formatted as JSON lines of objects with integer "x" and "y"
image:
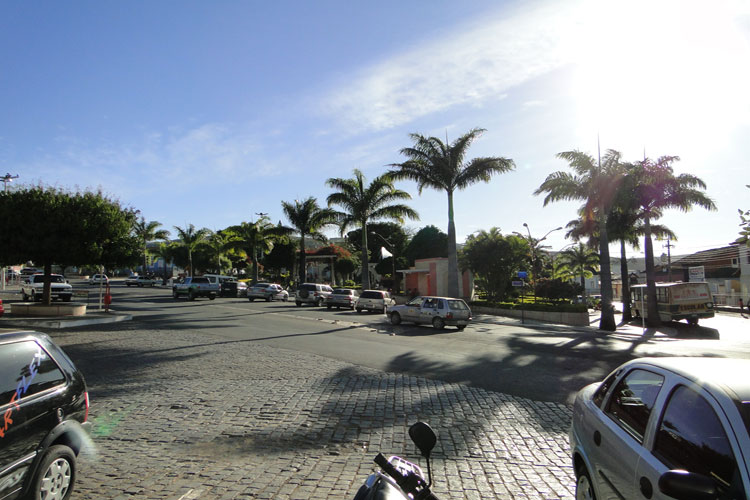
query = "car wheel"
{"x": 285, "y": 298}
{"x": 251, "y": 299}
{"x": 584, "y": 489}
{"x": 268, "y": 299}
{"x": 211, "y": 296}
{"x": 56, "y": 474}
{"x": 461, "y": 327}
{"x": 175, "y": 294}
{"x": 351, "y": 307}
{"x": 191, "y": 295}
{"x": 298, "y": 304}
{"x": 395, "y": 318}
{"x": 329, "y": 306}
{"x": 359, "y": 310}
{"x": 24, "y": 297}
{"x": 438, "y": 323}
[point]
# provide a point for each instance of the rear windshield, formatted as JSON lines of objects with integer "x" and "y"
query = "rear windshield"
{"x": 457, "y": 305}
{"x": 307, "y": 287}
{"x": 200, "y": 280}
{"x": 39, "y": 278}
{"x": 343, "y": 291}
{"x": 372, "y": 295}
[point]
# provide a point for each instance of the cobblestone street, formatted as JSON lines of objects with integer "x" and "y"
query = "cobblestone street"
{"x": 177, "y": 416}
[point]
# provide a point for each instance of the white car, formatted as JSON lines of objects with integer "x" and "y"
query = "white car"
{"x": 374, "y": 300}
{"x": 98, "y": 278}
{"x": 267, "y": 292}
{"x": 140, "y": 281}
{"x": 32, "y": 289}
{"x": 435, "y": 311}
{"x": 662, "y": 428}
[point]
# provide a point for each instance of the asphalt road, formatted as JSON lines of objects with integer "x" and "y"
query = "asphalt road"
{"x": 538, "y": 361}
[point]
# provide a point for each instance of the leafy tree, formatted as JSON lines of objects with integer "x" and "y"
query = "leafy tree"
{"x": 307, "y": 219}
{"x": 257, "y": 237}
{"x": 581, "y": 260}
{"x": 362, "y": 203}
{"x": 218, "y": 243}
{"x": 282, "y": 255}
{"x": 437, "y": 165}
{"x": 494, "y": 259}
{"x": 595, "y": 183}
{"x": 50, "y": 226}
{"x": 148, "y": 231}
{"x": 428, "y": 242}
{"x": 655, "y": 189}
{"x": 191, "y": 239}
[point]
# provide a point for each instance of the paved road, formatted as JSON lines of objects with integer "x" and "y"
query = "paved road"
{"x": 226, "y": 399}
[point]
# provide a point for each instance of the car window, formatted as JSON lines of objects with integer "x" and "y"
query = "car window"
{"x": 416, "y": 301}
{"x": 430, "y": 303}
{"x": 457, "y": 305}
{"x": 603, "y": 389}
{"x": 691, "y": 437}
{"x": 327, "y": 289}
{"x": 633, "y": 399}
{"x": 26, "y": 369}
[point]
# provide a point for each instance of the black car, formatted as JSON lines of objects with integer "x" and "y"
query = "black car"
{"x": 44, "y": 406}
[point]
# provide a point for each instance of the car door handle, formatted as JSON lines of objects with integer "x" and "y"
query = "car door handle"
{"x": 597, "y": 438}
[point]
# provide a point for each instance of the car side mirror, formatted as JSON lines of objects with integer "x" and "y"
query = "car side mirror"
{"x": 684, "y": 485}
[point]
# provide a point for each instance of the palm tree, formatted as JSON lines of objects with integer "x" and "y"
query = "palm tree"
{"x": 581, "y": 261}
{"x": 595, "y": 183}
{"x": 218, "y": 242}
{"x": 655, "y": 188}
{"x": 307, "y": 219}
{"x": 166, "y": 252}
{"x": 437, "y": 165}
{"x": 257, "y": 237}
{"x": 363, "y": 203}
{"x": 148, "y": 231}
{"x": 190, "y": 238}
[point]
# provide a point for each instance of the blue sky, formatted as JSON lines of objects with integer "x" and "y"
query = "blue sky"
{"x": 210, "y": 112}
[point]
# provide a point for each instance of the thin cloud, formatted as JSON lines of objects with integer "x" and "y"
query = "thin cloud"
{"x": 468, "y": 68}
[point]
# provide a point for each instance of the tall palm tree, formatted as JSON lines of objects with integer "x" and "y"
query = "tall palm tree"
{"x": 307, "y": 219}
{"x": 218, "y": 242}
{"x": 148, "y": 231}
{"x": 257, "y": 238}
{"x": 363, "y": 203}
{"x": 595, "y": 183}
{"x": 437, "y": 165}
{"x": 190, "y": 238}
{"x": 655, "y": 189}
{"x": 580, "y": 260}
{"x": 166, "y": 252}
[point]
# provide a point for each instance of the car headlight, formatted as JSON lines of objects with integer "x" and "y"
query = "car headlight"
{"x": 710, "y": 305}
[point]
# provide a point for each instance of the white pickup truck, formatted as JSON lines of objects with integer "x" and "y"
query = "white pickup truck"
{"x": 33, "y": 288}
{"x": 197, "y": 286}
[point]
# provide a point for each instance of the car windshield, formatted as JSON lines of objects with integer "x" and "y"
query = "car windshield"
{"x": 416, "y": 301}
{"x": 39, "y": 278}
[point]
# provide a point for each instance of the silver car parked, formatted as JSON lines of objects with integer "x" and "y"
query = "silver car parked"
{"x": 435, "y": 311}
{"x": 663, "y": 428}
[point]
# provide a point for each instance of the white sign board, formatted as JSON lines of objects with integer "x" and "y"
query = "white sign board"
{"x": 696, "y": 274}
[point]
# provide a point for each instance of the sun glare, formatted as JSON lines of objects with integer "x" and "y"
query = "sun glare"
{"x": 665, "y": 75}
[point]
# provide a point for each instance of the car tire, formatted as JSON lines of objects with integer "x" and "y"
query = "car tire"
{"x": 24, "y": 297}
{"x": 584, "y": 488}
{"x": 319, "y": 303}
{"x": 438, "y": 323}
{"x": 359, "y": 310}
{"x": 191, "y": 295}
{"x": 175, "y": 295}
{"x": 329, "y": 306}
{"x": 56, "y": 474}
{"x": 395, "y": 318}
{"x": 298, "y": 304}
{"x": 351, "y": 307}
{"x": 461, "y": 327}
{"x": 251, "y": 299}
{"x": 285, "y": 298}
{"x": 268, "y": 299}
{"x": 211, "y": 296}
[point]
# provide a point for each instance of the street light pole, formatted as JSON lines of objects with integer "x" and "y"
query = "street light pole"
{"x": 8, "y": 178}
{"x": 532, "y": 247}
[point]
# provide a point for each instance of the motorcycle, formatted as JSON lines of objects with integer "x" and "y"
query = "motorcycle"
{"x": 400, "y": 479}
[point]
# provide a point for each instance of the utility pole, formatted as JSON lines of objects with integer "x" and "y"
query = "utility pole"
{"x": 8, "y": 178}
{"x": 669, "y": 246}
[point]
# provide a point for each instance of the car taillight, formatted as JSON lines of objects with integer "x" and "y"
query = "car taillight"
{"x": 86, "y": 398}
{"x": 449, "y": 316}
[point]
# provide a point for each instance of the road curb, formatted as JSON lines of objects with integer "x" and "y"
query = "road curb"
{"x": 64, "y": 322}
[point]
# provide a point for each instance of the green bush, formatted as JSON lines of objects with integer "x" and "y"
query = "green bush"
{"x": 539, "y": 306}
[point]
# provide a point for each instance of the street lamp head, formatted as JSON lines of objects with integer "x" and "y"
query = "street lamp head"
{"x": 525, "y": 225}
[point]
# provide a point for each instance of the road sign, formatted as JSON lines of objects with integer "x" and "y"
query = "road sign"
{"x": 523, "y": 275}
{"x": 517, "y": 283}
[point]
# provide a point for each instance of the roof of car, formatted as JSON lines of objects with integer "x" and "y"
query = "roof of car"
{"x": 729, "y": 374}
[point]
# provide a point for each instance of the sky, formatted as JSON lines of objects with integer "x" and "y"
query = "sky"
{"x": 210, "y": 113}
